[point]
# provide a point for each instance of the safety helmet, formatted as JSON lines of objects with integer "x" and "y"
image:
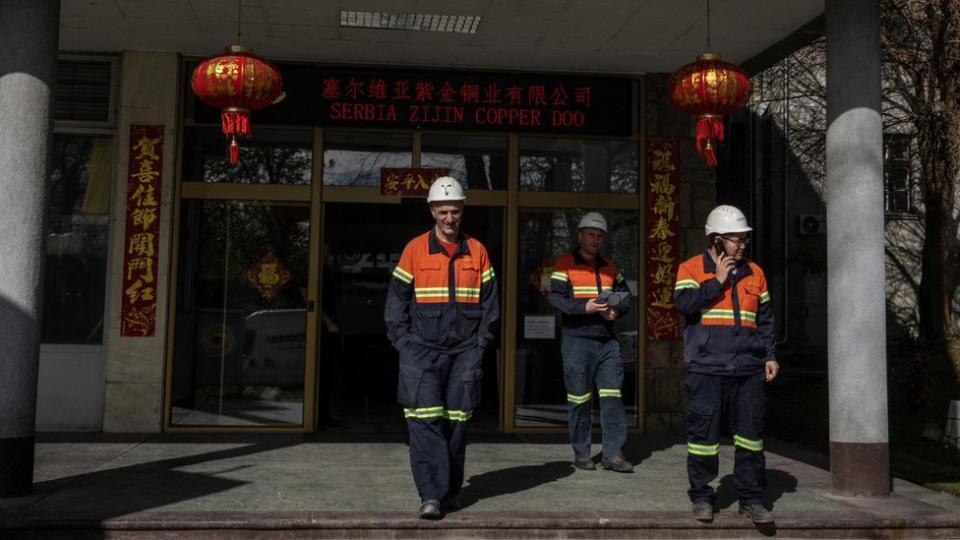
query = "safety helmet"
{"x": 593, "y": 220}
{"x": 726, "y": 219}
{"x": 445, "y": 188}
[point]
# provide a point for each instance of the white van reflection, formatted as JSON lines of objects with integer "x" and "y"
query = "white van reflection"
{"x": 274, "y": 348}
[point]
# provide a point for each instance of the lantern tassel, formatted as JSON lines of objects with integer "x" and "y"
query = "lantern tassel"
{"x": 235, "y": 123}
{"x": 234, "y": 152}
{"x": 709, "y": 129}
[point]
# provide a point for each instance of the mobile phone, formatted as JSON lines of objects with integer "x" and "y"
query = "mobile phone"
{"x": 718, "y": 247}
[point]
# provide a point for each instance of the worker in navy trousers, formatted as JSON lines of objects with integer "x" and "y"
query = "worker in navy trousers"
{"x": 440, "y": 311}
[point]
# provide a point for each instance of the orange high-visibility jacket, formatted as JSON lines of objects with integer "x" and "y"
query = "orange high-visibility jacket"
{"x": 442, "y": 301}
{"x": 729, "y": 327}
{"x": 573, "y": 282}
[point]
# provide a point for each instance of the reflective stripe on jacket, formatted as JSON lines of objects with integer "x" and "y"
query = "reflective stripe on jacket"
{"x": 573, "y": 282}
{"x": 441, "y": 301}
{"x": 729, "y": 327}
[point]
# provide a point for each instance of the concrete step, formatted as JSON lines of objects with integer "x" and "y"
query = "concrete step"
{"x": 601, "y": 525}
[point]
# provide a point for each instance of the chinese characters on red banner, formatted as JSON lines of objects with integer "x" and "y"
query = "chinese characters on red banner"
{"x": 138, "y": 313}
{"x": 662, "y": 218}
{"x": 439, "y": 101}
{"x": 408, "y": 182}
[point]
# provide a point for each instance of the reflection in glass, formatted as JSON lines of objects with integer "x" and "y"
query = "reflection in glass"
{"x": 579, "y": 165}
{"x": 479, "y": 162}
{"x": 352, "y": 158}
{"x": 77, "y": 223}
{"x": 270, "y": 157}
{"x": 241, "y": 314}
{"x": 545, "y": 234}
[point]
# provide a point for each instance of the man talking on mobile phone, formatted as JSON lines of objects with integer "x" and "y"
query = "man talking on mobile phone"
{"x": 729, "y": 352}
{"x": 591, "y": 294}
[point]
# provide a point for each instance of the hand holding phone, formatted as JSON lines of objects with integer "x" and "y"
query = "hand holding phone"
{"x": 718, "y": 247}
{"x": 724, "y": 262}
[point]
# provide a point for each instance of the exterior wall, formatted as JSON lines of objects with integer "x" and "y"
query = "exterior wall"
{"x": 70, "y": 388}
{"x": 666, "y": 395}
{"x": 134, "y": 366}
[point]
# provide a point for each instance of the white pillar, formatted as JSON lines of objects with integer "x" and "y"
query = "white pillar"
{"x": 29, "y": 33}
{"x": 856, "y": 306}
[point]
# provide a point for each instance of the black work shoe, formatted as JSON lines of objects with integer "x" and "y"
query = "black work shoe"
{"x": 585, "y": 464}
{"x": 450, "y": 502}
{"x": 703, "y": 511}
{"x": 756, "y": 512}
{"x": 430, "y": 509}
{"x": 617, "y": 464}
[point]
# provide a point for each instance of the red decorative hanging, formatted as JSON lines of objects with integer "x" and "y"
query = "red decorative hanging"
{"x": 708, "y": 89}
{"x": 237, "y": 82}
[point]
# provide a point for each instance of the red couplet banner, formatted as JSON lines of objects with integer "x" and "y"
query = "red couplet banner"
{"x": 142, "y": 238}
{"x": 663, "y": 219}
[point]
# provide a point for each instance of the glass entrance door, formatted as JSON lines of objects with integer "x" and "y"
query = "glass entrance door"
{"x": 357, "y": 367}
{"x": 242, "y": 313}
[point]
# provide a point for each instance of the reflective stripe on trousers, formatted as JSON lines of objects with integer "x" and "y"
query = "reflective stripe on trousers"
{"x": 589, "y": 362}
{"x": 439, "y": 392}
{"x": 741, "y": 400}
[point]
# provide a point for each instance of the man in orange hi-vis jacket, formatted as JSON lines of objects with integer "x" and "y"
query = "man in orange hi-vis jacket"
{"x": 590, "y": 294}
{"x": 729, "y": 352}
{"x": 441, "y": 307}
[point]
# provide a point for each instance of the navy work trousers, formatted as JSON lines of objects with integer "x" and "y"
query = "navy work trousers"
{"x": 588, "y": 361}
{"x": 439, "y": 391}
{"x": 740, "y": 403}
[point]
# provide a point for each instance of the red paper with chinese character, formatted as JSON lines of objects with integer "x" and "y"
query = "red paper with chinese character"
{"x": 408, "y": 182}
{"x": 138, "y": 312}
{"x": 662, "y": 219}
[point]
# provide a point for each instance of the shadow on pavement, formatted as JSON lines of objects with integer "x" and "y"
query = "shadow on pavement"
{"x": 512, "y": 480}
{"x": 111, "y": 492}
{"x": 778, "y": 483}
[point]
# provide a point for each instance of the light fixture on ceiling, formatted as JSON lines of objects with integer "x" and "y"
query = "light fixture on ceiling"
{"x": 381, "y": 20}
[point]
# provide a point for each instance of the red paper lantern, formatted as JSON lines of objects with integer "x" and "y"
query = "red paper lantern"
{"x": 708, "y": 89}
{"x": 237, "y": 82}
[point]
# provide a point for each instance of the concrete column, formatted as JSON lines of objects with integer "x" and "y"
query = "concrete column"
{"x": 134, "y": 365}
{"x": 859, "y": 453}
{"x": 28, "y": 41}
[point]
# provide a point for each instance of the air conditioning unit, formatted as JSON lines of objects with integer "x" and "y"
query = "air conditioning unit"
{"x": 812, "y": 224}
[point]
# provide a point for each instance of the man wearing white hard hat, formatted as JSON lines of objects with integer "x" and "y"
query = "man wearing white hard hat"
{"x": 591, "y": 294}
{"x": 440, "y": 312}
{"x": 729, "y": 352}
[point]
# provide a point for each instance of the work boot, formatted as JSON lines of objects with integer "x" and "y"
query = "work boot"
{"x": 617, "y": 464}
{"x": 450, "y": 502}
{"x": 430, "y": 509}
{"x": 584, "y": 463}
{"x": 703, "y": 511}
{"x": 756, "y": 512}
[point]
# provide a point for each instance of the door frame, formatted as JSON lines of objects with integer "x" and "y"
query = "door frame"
{"x": 316, "y": 195}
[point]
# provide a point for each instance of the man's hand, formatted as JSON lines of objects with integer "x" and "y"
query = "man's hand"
{"x": 594, "y": 307}
{"x": 771, "y": 368}
{"x": 610, "y": 314}
{"x": 725, "y": 264}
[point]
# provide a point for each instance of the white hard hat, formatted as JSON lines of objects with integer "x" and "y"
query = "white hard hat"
{"x": 593, "y": 220}
{"x": 445, "y": 188}
{"x": 726, "y": 219}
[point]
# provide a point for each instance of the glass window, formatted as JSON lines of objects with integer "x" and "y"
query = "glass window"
{"x": 241, "y": 314}
{"x": 270, "y": 157}
{"x": 77, "y": 223}
{"x": 579, "y": 165}
{"x": 546, "y": 234}
{"x": 478, "y": 162}
{"x": 898, "y": 172}
{"x": 354, "y": 158}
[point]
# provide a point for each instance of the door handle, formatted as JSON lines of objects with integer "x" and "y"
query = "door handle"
{"x": 311, "y": 305}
